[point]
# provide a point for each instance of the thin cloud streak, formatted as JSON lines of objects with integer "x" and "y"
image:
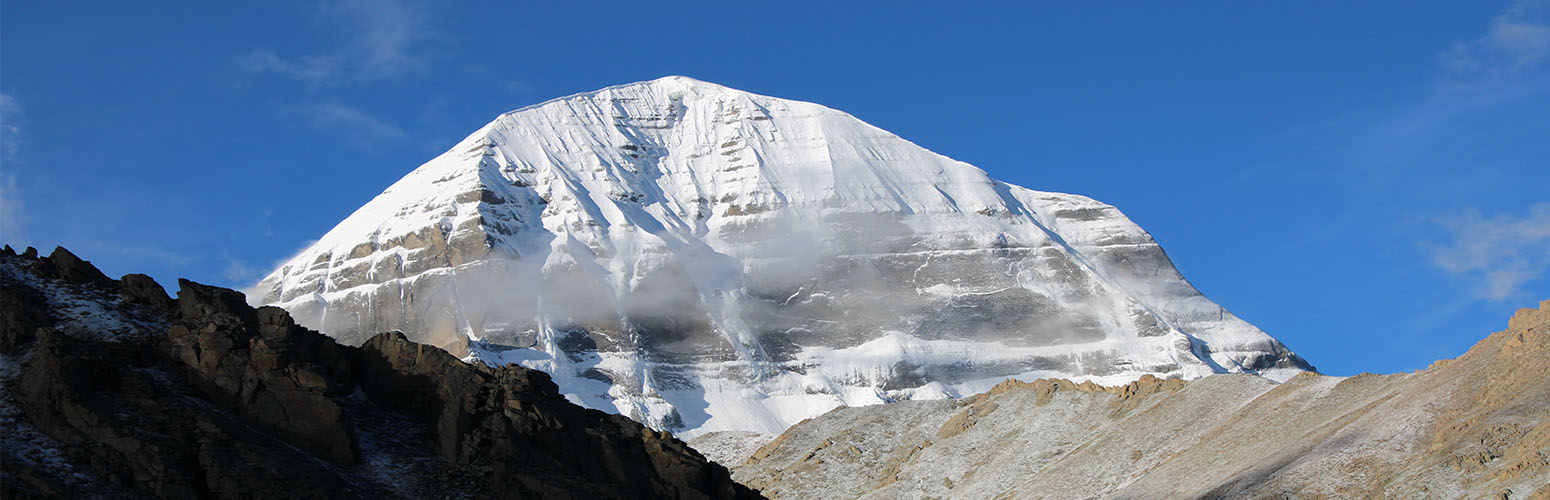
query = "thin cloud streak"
{"x": 1502, "y": 66}
{"x": 10, "y": 129}
{"x": 12, "y": 213}
{"x": 382, "y": 42}
{"x": 12, "y": 209}
{"x": 364, "y": 129}
{"x": 237, "y": 271}
{"x": 314, "y": 70}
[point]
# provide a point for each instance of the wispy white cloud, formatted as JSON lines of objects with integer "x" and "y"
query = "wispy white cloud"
{"x": 174, "y": 259}
{"x": 382, "y": 39}
{"x": 12, "y": 210}
{"x": 10, "y": 127}
{"x": 12, "y": 213}
{"x": 237, "y": 271}
{"x": 1504, "y": 65}
{"x": 363, "y": 129}
{"x": 1502, "y": 69}
{"x": 1502, "y": 252}
{"x": 1518, "y": 41}
{"x": 313, "y": 69}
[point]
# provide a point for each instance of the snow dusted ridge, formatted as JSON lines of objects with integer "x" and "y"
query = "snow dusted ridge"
{"x": 700, "y": 258}
{"x": 82, "y": 311}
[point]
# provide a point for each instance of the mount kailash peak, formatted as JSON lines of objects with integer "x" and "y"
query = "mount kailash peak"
{"x": 700, "y": 258}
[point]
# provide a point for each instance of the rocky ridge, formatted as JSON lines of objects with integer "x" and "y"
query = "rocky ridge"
{"x": 112, "y": 389}
{"x": 1477, "y": 426}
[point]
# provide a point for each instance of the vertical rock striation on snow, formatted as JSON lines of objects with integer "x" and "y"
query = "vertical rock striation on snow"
{"x": 701, "y": 258}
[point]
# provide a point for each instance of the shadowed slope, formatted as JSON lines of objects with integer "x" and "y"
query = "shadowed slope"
{"x": 114, "y": 390}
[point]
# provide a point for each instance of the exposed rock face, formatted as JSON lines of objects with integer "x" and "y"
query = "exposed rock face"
{"x": 701, "y": 258}
{"x": 519, "y": 417}
{"x": 279, "y": 377}
{"x": 1473, "y": 427}
{"x": 114, "y": 390}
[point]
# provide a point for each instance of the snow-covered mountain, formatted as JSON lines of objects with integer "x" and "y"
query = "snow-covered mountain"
{"x": 701, "y": 258}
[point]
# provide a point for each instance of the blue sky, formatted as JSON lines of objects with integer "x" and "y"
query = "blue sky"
{"x": 1367, "y": 181}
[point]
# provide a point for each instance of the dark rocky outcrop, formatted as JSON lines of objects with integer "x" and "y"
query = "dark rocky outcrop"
{"x": 210, "y": 398}
{"x": 488, "y": 417}
{"x": 117, "y": 419}
{"x": 275, "y": 375}
{"x": 141, "y": 289}
{"x": 72, "y": 269}
{"x": 20, "y": 318}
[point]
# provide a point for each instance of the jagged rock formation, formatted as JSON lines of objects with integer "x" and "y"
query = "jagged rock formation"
{"x": 1473, "y": 427}
{"x": 112, "y": 389}
{"x": 701, "y": 258}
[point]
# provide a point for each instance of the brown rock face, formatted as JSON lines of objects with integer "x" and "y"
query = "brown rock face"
{"x": 276, "y": 376}
{"x": 136, "y": 433}
{"x": 219, "y": 400}
{"x": 485, "y": 416}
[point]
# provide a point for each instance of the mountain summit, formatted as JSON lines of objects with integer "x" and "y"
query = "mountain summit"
{"x": 701, "y": 258}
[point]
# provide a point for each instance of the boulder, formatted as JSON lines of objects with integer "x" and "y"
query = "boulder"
{"x": 141, "y": 289}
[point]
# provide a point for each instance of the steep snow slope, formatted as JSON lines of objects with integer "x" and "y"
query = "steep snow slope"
{"x": 701, "y": 258}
